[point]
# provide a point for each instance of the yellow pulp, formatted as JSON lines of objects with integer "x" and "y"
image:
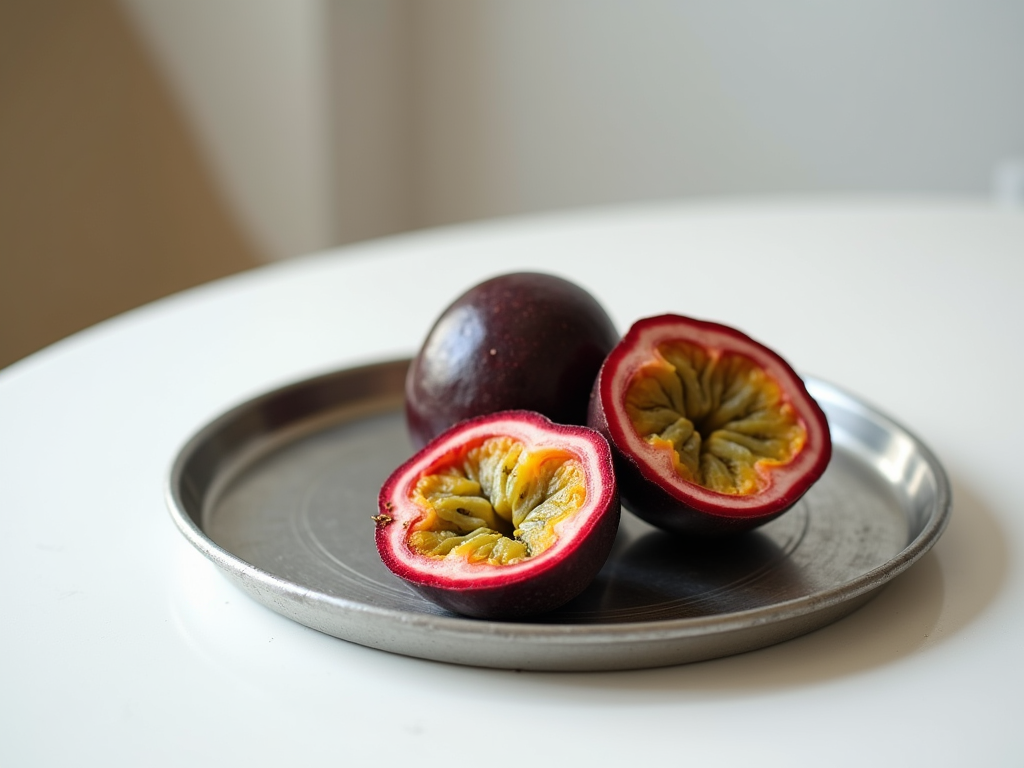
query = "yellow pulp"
{"x": 499, "y": 503}
{"x": 723, "y": 419}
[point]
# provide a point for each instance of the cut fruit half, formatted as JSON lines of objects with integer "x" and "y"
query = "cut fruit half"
{"x": 501, "y": 516}
{"x": 712, "y": 432}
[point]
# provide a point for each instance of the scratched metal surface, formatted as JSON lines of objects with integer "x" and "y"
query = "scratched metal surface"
{"x": 279, "y": 494}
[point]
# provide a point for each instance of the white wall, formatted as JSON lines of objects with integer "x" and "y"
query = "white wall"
{"x": 535, "y": 104}
{"x": 372, "y": 101}
{"x": 329, "y": 121}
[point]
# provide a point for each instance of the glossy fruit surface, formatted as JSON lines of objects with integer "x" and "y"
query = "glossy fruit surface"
{"x": 519, "y": 341}
{"x": 712, "y": 432}
{"x": 502, "y": 516}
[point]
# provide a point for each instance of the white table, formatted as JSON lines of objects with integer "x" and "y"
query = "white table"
{"x": 122, "y": 646}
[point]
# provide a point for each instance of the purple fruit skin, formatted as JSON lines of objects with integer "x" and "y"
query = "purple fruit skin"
{"x": 520, "y": 341}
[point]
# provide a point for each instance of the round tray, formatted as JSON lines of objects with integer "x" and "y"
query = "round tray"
{"x": 279, "y": 494}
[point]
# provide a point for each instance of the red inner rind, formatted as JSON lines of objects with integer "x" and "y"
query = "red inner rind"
{"x": 787, "y": 482}
{"x": 534, "y": 431}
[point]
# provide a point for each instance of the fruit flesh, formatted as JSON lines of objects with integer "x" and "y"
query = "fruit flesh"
{"x": 725, "y": 422}
{"x": 496, "y": 503}
{"x": 564, "y": 469}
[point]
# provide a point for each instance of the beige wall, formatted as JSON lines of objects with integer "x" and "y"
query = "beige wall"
{"x": 253, "y": 78}
{"x": 146, "y": 145}
{"x": 446, "y": 110}
{"x": 104, "y": 202}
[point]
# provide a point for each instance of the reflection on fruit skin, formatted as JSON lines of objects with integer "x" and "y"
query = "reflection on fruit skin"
{"x": 525, "y": 340}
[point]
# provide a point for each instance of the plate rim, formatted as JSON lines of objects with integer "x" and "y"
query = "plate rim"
{"x": 239, "y": 570}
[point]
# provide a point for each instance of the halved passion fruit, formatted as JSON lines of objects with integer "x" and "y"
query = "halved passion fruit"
{"x": 711, "y": 431}
{"x": 501, "y": 516}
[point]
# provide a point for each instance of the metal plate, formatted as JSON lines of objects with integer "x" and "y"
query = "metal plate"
{"x": 279, "y": 493}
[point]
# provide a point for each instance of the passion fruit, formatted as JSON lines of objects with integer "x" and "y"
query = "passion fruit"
{"x": 502, "y": 516}
{"x": 525, "y": 341}
{"x": 712, "y": 432}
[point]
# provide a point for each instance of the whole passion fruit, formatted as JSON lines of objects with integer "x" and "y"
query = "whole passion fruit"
{"x": 525, "y": 341}
{"x": 502, "y": 516}
{"x": 711, "y": 431}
